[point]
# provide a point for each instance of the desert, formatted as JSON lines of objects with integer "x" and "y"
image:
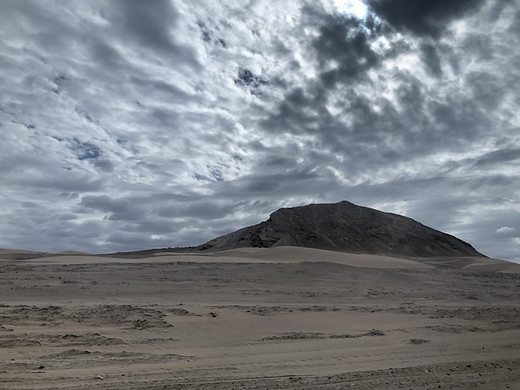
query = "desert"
{"x": 258, "y": 318}
{"x": 258, "y": 194}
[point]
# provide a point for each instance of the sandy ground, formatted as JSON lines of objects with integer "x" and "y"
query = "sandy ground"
{"x": 283, "y": 318}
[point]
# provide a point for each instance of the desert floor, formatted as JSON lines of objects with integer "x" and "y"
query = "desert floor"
{"x": 283, "y": 318}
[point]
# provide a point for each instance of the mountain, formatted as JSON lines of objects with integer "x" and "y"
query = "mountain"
{"x": 344, "y": 227}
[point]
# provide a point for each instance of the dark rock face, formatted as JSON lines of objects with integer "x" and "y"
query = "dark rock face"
{"x": 344, "y": 227}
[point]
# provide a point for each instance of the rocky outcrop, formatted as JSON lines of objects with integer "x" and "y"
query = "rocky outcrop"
{"x": 344, "y": 227}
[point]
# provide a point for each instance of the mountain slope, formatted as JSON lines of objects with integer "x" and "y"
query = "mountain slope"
{"x": 344, "y": 227}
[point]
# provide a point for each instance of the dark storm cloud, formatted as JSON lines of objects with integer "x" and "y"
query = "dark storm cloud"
{"x": 296, "y": 113}
{"x": 161, "y": 90}
{"x": 54, "y": 34}
{"x": 344, "y": 52}
{"x": 68, "y": 181}
{"x": 34, "y": 174}
{"x": 197, "y": 209}
{"x": 487, "y": 89}
{"x": 414, "y": 123}
{"x": 105, "y": 203}
{"x": 103, "y": 165}
{"x": 146, "y": 23}
{"x": 150, "y": 25}
{"x": 423, "y": 17}
{"x": 431, "y": 59}
{"x": 346, "y": 41}
{"x": 122, "y": 209}
{"x": 498, "y": 157}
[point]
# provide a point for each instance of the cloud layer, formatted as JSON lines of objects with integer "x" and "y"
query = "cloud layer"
{"x": 129, "y": 124}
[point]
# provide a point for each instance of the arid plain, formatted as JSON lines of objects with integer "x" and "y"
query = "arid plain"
{"x": 284, "y": 317}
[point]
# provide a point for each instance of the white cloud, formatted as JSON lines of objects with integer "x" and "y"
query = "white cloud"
{"x": 506, "y": 230}
{"x": 356, "y": 8}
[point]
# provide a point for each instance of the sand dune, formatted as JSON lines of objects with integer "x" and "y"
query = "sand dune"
{"x": 6, "y": 252}
{"x": 283, "y": 317}
{"x": 285, "y": 254}
{"x": 247, "y": 255}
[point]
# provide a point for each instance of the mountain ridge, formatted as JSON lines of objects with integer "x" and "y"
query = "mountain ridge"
{"x": 344, "y": 227}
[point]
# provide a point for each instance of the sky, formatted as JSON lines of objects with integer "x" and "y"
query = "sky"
{"x": 129, "y": 124}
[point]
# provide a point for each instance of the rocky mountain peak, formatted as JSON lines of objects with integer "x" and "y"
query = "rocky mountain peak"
{"x": 344, "y": 227}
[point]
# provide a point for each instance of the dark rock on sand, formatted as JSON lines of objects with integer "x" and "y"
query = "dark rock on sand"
{"x": 344, "y": 227}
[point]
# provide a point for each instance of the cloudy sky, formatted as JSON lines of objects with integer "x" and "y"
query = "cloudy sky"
{"x": 129, "y": 124}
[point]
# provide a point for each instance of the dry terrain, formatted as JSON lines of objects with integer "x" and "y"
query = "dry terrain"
{"x": 278, "y": 318}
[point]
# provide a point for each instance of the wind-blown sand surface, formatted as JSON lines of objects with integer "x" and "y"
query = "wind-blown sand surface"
{"x": 288, "y": 318}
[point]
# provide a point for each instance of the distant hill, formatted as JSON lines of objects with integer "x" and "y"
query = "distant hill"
{"x": 344, "y": 227}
